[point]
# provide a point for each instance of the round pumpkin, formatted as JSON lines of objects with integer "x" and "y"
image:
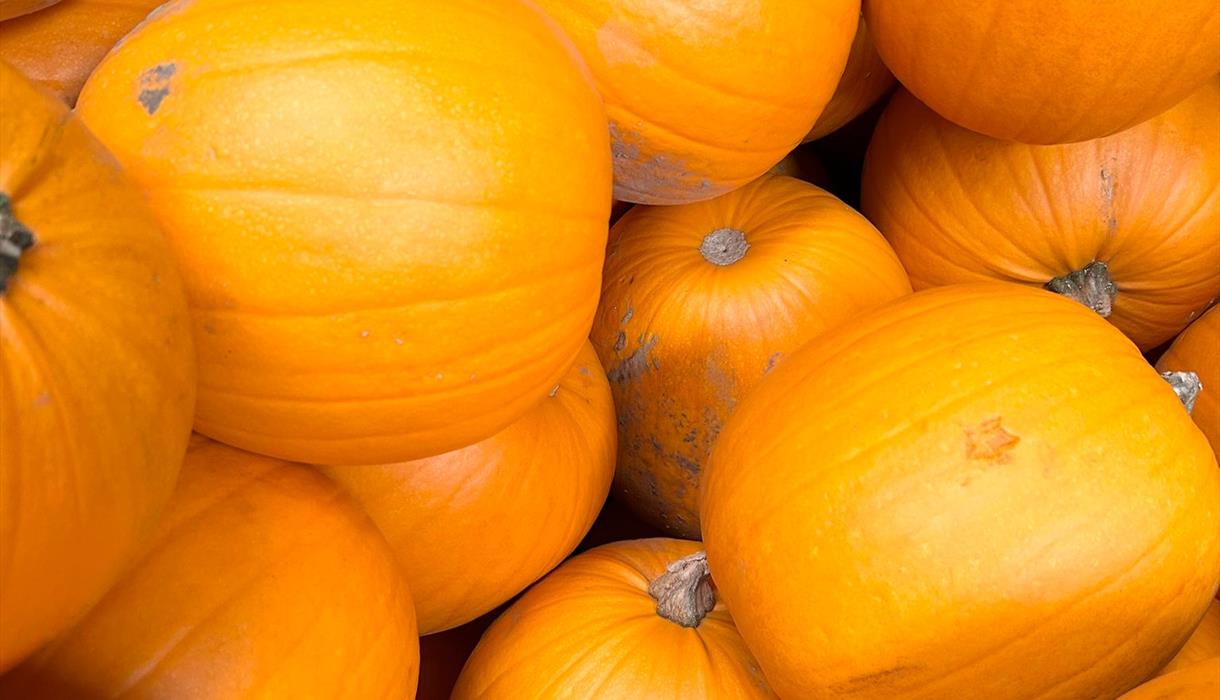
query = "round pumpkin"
{"x": 263, "y": 580}
{"x": 1048, "y": 72}
{"x": 865, "y": 80}
{"x": 392, "y": 242}
{"x": 628, "y": 620}
{"x": 978, "y": 491}
{"x": 700, "y": 301}
{"x": 1204, "y": 642}
{"x": 1200, "y": 681}
{"x": 97, "y": 363}
{"x": 473, "y": 527}
{"x": 704, "y": 98}
{"x": 1198, "y": 350}
{"x": 16, "y": 8}
{"x": 961, "y": 207}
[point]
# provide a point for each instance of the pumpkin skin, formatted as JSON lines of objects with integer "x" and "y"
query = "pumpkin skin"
{"x": 1204, "y": 642}
{"x": 16, "y": 8}
{"x": 97, "y": 368}
{"x": 1198, "y": 350}
{"x": 473, "y": 527}
{"x": 684, "y": 338}
{"x": 865, "y": 80}
{"x": 696, "y": 109}
{"x": 591, "y": 624}
{"x": 264, "y": 580}
{"x": 1198, "y": 682}
{"x": 427, "y": 273}
{"x": 961, "y": 207}
{"x": 973, "y": 479}
{"x": 985, "y": 65}
{"x": 59, "y": 47}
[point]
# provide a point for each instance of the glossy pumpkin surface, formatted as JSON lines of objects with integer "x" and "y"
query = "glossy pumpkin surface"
{"x": 1200, "y": 681}
{"x": 991, "y": 492}
{"x": 97, "y": 370}
{"x": 1198, "y": 350}
{"x": 392, "y": 244}
{"x": 16, "y": 8}
{"x": 962, "y": 207}
{"x": 472, "y": 528}
{"x": 864, "y": 81}
{"x": 1204, "y": 642}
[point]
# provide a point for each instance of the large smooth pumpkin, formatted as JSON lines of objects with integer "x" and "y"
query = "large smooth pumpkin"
{"x": 864, "y": 81}
{"x": 264, "y": 581}
{"x": 473, "y": 527}
{"x": 705, "y": 97}
{"x": 1200, "y": 681}
{"x": 700, "y": 301}
{"x": 961, "y": 207}
{"x": 1048, "y": 72}
{"x": 391, "y": 216}
{"x": 16, "y": 8}
{"x": 628, "y": 620}
{"x": 1198, "y": 350}
{"x": 978, "y": 491}
{"x": 97, "y": 369}
{"x": 1204, "y": 642}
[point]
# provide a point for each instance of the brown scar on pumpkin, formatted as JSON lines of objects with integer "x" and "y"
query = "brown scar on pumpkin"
{"x": 155, "y": 86}
{"x": 636, "y": 364}
{"x": 990, "y": 441}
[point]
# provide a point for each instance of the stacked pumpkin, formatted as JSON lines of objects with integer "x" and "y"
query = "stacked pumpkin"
{"x": 361, "y": 250}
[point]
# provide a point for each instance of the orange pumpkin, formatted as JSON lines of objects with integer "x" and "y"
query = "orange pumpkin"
{"x": 1048, "y": 72}
{"x": 97, "y": 370}
{"x": 961, "y": 207}
{"x": 473, "y": 527}
{"x": 1198, "y": 350}
{"x": 59, "y": 47}
{"x": 1198, "y": 682}
{"x": 1203, "y": 644}
{"x": 392, "y": 244}
{"x": 978, "y": 491}
{"x": 16, "y": 8}
{"x": 263, "y": 581}
{"x": 703, "y": 98}
{"x": 865, "y": 80}
{"x": 629, "y": 620}
{"x": 701, "y": 301}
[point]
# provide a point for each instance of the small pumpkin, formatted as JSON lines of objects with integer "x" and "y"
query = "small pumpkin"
{"x": 1204, "y": 642}
{"x": 17, "y": 8}
{"x": 1200, "y": 681}
{"x": 98, "y": 369}
{"x": 1198, "y": 350}
{"x": 628, "y": 620}
{"x": 1145, "y": 204}
{"x": 1048, "y": 72}
{"x": 263, "y": 580}
{"x": 865, "y": 80}
{"x": 392, "y": 244}
{"x": 703, "y": 98}
{"x": 977, "y": 491}
{"x": 700, "y": 301}
{"x": 473, "y": 527}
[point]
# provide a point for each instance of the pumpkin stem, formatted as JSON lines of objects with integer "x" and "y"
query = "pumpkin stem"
{"x": 1186, "y": 385}
{"x": 1090, "y": 285}
{"x": 684, "y": 592}
{"x": 724, "y": 246}
{"x": 15, "y": 239}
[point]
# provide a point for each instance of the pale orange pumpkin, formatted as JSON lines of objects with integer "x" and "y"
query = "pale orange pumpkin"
{"x": 700, "y": 301}
{"x": 978, "y": 491}
{"x": 97, "y": 369}
{"x": 263, "y": 580}
{"x": 865, "y": 80}
{"x": 472, "y": 528}
{"x": 391, "y": 216}
{"x": 16, "y": 8}
{"x": 1200, "y": 681}
{"x": 961, "y": 207}
{"x": 1198, "y": 350}
{"x": 1204, "y": 642}
{"x": 628, "y": 620}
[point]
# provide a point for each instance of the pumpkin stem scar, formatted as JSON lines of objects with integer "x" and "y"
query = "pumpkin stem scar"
{"x": 724, "y": 246}
{"x": 1090, "y": 285}
{"x": 15, "y": 239}
{"x": 1186, "y": 385}
{"x": 684, "y": 592}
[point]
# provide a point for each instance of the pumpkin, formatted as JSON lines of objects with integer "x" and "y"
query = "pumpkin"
{"x": 1198, "y": 682}
{"x": 700, "y": 301}
{"x": 629, "y": 620}
{"x": 97, "y": 367}
{"x": 1198, "y": 350}
{"x": 263, "y": 580}
{"x": 16, "y": 8}
{"x": 473, "y": 527}
{"x": 704, "y": 98}
{"x": 961, "y": 207}
{"x": 1048, "y": 72}
{"x": 977, "y": 491}
{"x": 865, "y": 80}
{"x": 59, "y": 47}
{"x": 392, "y": 243}
{"x": 1204, "y": 642}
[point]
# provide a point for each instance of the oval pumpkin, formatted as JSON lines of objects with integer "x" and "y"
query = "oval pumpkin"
{"x": 865, "y": 80}
{"x": 977, "y": 491}
{"x": 1198, "y": 682}
{"x": 961, "y": 207}
{"x": 1204, "y": 642}
{"x": 704, "y": 98}
{"x": 700, "y": 301}
{"x": 473, "y": 527}
{"x": 16, "y": 8}
{"x": 392, "y": 244}
{"x": 264, "y": 580}
{"x": 97, "y": 367}
{"x": 628, "y": 620}
{"x": 1198, "y": 350}
{"x": 1048, "y": 72}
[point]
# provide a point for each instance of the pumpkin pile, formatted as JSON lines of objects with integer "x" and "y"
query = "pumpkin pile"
{"x": 609, "y": 349}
